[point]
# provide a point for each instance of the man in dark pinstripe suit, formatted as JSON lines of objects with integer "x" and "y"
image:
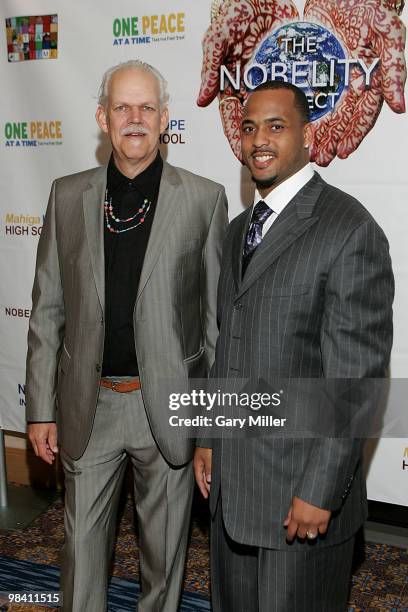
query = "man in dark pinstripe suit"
{"x": 305, "y": 291}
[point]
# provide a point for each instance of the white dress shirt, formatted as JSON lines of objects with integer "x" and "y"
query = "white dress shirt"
{"x": 279, "y": 197}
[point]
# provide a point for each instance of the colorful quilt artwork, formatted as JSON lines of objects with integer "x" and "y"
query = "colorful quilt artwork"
{"x": 33, "y": 37}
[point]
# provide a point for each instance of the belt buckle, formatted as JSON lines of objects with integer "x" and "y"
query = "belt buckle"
{"x": 113, "y": 387}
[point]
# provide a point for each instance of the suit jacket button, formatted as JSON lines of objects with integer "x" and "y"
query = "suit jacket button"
{"x": 238, "y": 306}
{"x": 98, "y": 367}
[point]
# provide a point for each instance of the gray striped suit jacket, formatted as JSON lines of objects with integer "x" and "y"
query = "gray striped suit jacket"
{"x": 174, "y": 316}
{"x": 315, "y": 301}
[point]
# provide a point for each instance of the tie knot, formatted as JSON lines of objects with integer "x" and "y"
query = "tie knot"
{"x": 261, "y": 212}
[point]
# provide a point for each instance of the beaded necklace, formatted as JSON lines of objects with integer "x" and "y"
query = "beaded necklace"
{"x": 139, "y": 215}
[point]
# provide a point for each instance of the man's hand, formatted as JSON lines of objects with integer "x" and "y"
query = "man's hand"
{"x": 303, "y": 517}
{"x": 43, "y": 437}
{"x": 202, "y": 469}
{"x": 368, "y": 29}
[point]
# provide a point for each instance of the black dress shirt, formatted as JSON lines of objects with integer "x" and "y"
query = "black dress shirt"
{"x": 124, "y": 255}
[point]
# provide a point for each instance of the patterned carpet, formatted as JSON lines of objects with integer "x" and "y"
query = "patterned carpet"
{"x": 380, "y": 578}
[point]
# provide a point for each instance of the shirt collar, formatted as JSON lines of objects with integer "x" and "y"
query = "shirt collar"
{"x": 279, "y": 197}
{"x": 146, "y": 182}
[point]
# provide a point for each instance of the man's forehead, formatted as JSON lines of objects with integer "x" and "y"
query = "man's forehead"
{"x": 129, "y": 78}
{"x": 272, "y": 97}
{"x": 270, "y": 102}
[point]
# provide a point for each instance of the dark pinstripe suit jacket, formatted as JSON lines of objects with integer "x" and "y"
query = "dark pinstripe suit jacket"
{"x": 316, "y": 301}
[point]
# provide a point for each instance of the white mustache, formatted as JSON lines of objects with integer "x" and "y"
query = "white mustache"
{"x": 132, "y": 128}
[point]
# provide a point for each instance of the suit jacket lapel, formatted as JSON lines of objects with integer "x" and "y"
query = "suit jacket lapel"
{"x": 238, "y": 239}
{"x": 167, "y": 206}
{"x": 295, "y": 220}
{"x": 93, "y": 200}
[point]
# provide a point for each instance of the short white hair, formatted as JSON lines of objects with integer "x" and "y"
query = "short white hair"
{"x": 135, "y": 65}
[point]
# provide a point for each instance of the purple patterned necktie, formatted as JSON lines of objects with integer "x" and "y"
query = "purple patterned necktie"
{"x": 254, "y": 234}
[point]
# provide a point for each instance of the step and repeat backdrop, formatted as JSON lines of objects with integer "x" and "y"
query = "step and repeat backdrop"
{"x": 348, "y": 56}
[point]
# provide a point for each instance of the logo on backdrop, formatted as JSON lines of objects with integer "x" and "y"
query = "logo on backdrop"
{"x": 22, "y": 225}
{"x": 17, "y": 313}
{"x": 405, "y": 459}
{"x": 33, "y": 37}
{"x": 21, "y": 394}
{"x": 146, "y": 29}
{"x": 346, "y": 64}
{"x": 175, "y": 132}
{"x": 32, "y": 133}
{"x": 307, "y": 55}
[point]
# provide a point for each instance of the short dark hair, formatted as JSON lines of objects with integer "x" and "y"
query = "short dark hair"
{"x": 301, "y": 101}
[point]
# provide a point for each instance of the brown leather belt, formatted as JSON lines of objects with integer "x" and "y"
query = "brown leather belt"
{"x": 121, "y": 386}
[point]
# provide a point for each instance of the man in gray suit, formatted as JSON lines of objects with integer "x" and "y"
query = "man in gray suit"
{"x": 305, "y": 292}
{"x": 124, "y": 295}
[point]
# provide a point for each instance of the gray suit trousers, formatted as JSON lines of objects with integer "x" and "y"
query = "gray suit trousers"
{"x": 93, "y": 483}
{"x": 253, "y": 579}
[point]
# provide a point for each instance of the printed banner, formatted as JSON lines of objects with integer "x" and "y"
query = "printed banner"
{"x": 349, "y": 57}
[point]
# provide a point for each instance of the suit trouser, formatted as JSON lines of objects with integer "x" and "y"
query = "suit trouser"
{"x": 93, "y": 484}
{"x": 251, "y": 579}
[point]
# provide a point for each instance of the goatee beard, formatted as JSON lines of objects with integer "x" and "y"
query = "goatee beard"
{"x": 265, "y": 183}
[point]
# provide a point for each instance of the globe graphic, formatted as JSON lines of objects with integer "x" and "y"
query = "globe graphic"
{"x": 273, "y": 49}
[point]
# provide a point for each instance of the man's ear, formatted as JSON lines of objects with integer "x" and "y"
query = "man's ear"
{"x": 101, "y": 118}
{"x": 308, "y": 133}
{"x": 164, "y": 119}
